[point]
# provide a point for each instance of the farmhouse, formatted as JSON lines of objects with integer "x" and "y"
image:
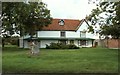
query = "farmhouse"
{"x": 66, "y": 31}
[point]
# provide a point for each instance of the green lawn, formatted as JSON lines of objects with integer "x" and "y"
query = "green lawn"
{"x": 84, "y": 60}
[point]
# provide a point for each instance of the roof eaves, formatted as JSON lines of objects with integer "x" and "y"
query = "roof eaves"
{"x": 87, "y": 22}
{"x": 79, "y": 25}
{"x": 53, "y": 38}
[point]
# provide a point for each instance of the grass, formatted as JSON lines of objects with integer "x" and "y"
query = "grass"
{"x": 84, "y": 60}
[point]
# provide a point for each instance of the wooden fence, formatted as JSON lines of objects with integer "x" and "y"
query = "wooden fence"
{"x": 110, "y": 43}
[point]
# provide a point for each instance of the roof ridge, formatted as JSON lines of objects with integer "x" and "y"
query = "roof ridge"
{"x": 66, "y": 19}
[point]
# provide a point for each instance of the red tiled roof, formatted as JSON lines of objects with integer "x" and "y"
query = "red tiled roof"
{"x": 70, "y": 24}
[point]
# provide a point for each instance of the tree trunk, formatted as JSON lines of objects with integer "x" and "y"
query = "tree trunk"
{"x": 3, "y": 43}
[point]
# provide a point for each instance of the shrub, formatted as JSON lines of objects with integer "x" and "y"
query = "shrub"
{"x": 47, "y": 47}
{"x": 73, "y": 46}
{"x": 52, "y": 46}
{"x": 11, "y": 40}
{"x": 14, "y": 41}
{"x": 61, "y": 46}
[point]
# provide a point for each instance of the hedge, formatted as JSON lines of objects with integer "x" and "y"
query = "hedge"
{"x": 61, "y": 46}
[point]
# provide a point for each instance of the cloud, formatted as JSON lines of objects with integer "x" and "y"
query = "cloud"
{"x": 75, "y": 9}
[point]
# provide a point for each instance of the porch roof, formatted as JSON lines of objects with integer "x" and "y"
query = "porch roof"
{"x": 51, "y": 38}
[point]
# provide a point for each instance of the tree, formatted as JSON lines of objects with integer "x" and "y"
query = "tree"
{"x": 107, "y": 16}
{"x": 27, "y": 18}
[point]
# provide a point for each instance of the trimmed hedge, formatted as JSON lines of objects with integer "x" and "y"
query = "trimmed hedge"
{"x": 61, "y": 46}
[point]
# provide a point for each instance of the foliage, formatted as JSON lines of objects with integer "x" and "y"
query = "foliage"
{"x": 26, "y": 18}
{"x": 11, "y": 40}
{"x": 23, "y": 18}
{"x": 71, "y": 46}
{"x": 107, "y": 16}
{"x": 61, "y": 46}
{"x": 84, "y": 60}
{"x": 103, "y": 14}
{"x": 14, "y": 41}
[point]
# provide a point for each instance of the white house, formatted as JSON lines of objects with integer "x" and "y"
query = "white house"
{"x": 67, "y": 31}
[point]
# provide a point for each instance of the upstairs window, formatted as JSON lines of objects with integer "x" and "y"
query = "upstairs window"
{"x": 62, "y": 34}
{"x": 82, "y": 34}
{"x": 61, "y": 22}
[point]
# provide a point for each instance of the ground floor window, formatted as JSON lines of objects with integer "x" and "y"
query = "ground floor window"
{"x": 82, "y": 42}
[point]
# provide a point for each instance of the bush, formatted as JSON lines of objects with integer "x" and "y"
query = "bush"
{"x": 14, "y": 41}
{"x": 61, "y": 46}
{"x": 54, "y": 46}
{"x": 47, "y": 47}
{"x": 73, "y": 46}
{"x": 11, "y": 40}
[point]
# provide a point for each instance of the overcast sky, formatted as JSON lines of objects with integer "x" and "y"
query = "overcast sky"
{"x": 69, "y": 9}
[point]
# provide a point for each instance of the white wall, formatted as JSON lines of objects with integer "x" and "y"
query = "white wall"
{"x": 48, "y": 33}
{"x": 56, "y": 34}
{"x": 76, "y": 43}
{"x": 21, "y": 42}
{"x": 89, "y": 43}
{"x": 76, "y": 34}
{"x": 84, "y": 26}
{"x": 26, "y": 45}
{"x": 89, "y": 35}
{"x": 72, "y": 34}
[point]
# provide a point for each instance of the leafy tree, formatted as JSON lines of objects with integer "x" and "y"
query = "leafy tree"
{"x": 107, "y": 16}
{"x": 27, "y": 17}
{"x": 24, "y": 18}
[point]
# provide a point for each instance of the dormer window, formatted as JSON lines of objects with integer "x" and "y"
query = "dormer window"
{"x": 61, "y": 22}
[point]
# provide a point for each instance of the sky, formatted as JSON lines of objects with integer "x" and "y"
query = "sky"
{"x": 69, "y": 9}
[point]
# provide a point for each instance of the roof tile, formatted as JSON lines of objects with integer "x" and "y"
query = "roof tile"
{"x": 70, "y": 25}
